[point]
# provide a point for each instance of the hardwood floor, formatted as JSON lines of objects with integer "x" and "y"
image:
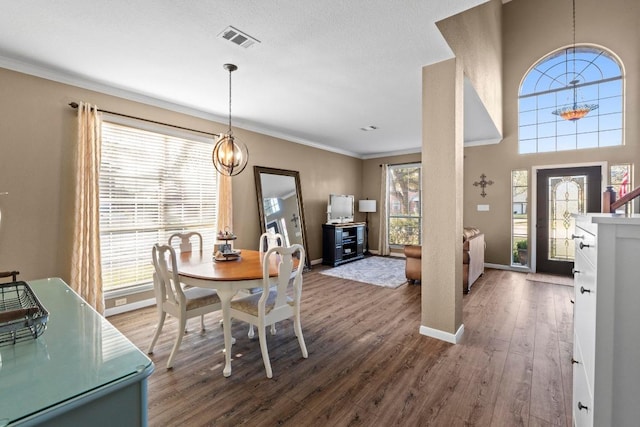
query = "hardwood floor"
{"x": 368, "y": 365}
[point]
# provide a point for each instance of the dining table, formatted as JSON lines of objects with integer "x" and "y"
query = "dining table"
{"x": 227, "y": 277}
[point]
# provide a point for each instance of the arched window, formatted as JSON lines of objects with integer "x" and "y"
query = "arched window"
{"x": 581, "y": 76}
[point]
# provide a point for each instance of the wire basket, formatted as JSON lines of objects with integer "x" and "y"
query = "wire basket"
{"x": 22, "y": 317}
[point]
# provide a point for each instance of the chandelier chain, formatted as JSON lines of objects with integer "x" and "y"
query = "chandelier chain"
{"x": 574, "y": 23}
{"x": 230, "y": 71}
{"x": 573, "y": 28}
{"x": 573, "y": 112}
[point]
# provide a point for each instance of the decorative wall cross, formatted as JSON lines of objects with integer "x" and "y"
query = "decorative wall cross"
{"x": 483, "y": 183}
{"x": 295, "y": 219}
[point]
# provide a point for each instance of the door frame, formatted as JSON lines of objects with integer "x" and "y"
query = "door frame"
{"x": 533, "y": 210}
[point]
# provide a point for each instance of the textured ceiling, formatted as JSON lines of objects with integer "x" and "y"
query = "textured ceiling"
{"x": 322, "y": 69}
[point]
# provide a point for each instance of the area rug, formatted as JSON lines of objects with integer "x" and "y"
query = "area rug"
{"x": 550, "y": 278}
{"x": 375, "y": 270}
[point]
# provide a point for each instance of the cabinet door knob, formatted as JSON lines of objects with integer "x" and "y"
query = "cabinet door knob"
{"x": 581, "y": 407}
{"x": 574, "y": 271}
{"x": 572, "y": 302}
{"x": 582, "y": 245}
{"x": 574, "y": 361}
{"x": 583, "y": 290}
{"x": 573, "y": 236}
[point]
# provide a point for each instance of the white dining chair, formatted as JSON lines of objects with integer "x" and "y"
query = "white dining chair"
{"x": 171, "y": 298}
{"x": 275, "y": 304}
{"x": 185, "y": 240}
{"x": 267, "y": 241}
{"x": 185, "y": 244}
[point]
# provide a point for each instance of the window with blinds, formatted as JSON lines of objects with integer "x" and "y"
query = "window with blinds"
{"x": 151, "y": 186}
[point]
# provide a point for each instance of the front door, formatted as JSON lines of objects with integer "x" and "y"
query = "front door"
{"x": 561, "y": 193}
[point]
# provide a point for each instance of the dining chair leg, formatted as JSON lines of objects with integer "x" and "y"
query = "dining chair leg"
{"x": 181, "y": 326}
{"x": 298, "y": 329}
{"x": 262, "y": 335}
{"x": 252, "y": 334}
{"x": 161, "y": 317}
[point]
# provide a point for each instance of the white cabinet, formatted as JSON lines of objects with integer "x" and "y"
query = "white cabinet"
{"x": 606, "y": 350}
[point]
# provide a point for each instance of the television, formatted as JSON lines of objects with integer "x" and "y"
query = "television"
{"x": 340, "y": 209}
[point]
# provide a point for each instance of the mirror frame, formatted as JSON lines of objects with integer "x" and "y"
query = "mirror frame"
{"x": 257, "y": 173}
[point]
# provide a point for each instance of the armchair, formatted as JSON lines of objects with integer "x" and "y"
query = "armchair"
{"x": 472, "y": 259}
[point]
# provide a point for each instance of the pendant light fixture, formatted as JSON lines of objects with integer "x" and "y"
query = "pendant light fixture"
{"x": 230, "y": 156}
{"x": 574, "y": 111}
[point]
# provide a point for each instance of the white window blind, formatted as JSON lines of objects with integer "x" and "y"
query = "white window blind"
{"x": 151, "y": 186}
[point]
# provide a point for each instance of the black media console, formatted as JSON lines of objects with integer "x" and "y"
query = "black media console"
{"x": 342, "y": 243}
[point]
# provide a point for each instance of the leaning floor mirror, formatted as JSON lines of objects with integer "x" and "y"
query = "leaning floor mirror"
{"x": 280, "y": 205}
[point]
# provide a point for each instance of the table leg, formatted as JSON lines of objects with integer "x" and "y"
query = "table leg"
{"x": 225, "y": 298}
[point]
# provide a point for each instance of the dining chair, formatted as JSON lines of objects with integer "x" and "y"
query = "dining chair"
{"x": 185, "y": 240}
{"x": 171, "y": 298}
{"x": 275, "y": 303}
{"x": 267, "y": 241}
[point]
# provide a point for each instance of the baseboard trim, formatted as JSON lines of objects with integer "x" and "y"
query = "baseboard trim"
{"x": 441, "y": 335}
{"x": 507, "y": 267}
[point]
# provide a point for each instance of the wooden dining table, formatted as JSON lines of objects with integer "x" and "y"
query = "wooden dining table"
{"x": 198, "y": 268}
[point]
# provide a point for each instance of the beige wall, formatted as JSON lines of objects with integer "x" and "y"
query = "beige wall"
{"x": 475, "y": 38}
{"x": 37, "y": 135}
{"x": 531, "y": 30}
{"x": 321, "y": 173}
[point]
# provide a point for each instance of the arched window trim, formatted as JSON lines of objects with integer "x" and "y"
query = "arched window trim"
{"x": 558, "y": 51}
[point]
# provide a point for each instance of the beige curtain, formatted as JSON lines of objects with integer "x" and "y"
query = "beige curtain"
{"x": 225, "y": 203}
{"x": 86, "y": 273}
{"x": 383, "y": 234}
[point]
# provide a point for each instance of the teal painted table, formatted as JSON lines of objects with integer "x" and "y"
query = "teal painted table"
{"x": 80, "y": 371}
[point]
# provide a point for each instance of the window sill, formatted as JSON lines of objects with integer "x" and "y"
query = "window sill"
{"x": 129, "y": 290}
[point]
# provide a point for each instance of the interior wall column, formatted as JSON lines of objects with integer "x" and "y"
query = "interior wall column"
{"x": 442, "y": 201}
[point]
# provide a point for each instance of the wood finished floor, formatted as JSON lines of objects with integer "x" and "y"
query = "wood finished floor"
{"x": 369, "y": 366}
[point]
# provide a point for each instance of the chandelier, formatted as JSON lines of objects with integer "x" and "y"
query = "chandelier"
{"x": 230, "y": 156}
{"x": 575, "y": 111}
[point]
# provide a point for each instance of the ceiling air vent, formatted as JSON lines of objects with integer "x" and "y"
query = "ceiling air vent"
{"x": 238, "y": 37}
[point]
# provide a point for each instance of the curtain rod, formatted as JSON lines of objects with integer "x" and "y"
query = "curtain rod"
{"x": 75, "y": 105}
{"x": 401, "y": 164}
